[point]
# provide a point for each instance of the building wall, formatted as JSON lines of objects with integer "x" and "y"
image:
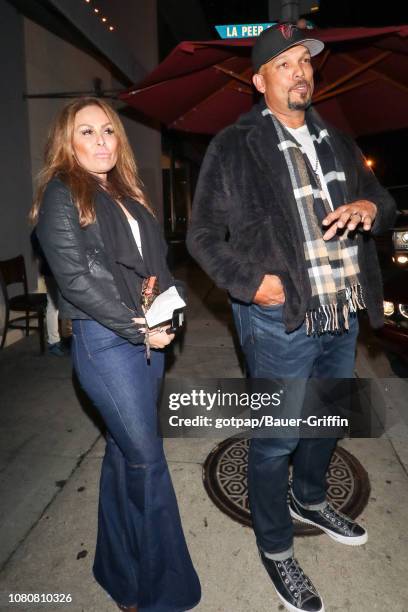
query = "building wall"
{"x": 54, "y": 65}
{"x": 38, "y": 61}
{"x": 137, "y": 26}
{"x": 34, "y": 60}
{"x": 15, "y": 163}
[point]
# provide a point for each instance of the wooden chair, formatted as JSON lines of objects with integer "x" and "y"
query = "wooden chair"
{"x": 13, "y": 271}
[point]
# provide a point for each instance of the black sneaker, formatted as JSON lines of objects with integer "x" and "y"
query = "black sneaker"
{"x": 56, "y": 349}
{"x": 336, "y": 525}
{"x": 292, "y": 586}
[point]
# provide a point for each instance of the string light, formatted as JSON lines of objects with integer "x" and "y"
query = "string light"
{"x": 103, "y": 19}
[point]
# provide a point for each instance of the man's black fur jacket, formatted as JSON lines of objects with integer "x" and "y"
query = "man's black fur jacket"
{"x": 245, "y": 222}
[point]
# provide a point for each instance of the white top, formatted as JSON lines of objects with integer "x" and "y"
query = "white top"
{"x": 134, "y": 226}
{"x": 305, "y": 140}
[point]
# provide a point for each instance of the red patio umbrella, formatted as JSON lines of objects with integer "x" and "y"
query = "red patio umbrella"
{"x": 361, "y": 82}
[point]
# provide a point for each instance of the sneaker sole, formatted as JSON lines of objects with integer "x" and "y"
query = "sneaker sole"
{"x": 355, "y": 541}
{"x": 291, "y": 608}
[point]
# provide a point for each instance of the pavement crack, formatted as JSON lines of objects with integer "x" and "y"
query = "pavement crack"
{"x": 45, "y": 509}
{"x": 402, "y": 464}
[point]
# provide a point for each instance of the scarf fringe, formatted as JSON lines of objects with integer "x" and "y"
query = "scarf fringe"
{"x": 335, "y": 317}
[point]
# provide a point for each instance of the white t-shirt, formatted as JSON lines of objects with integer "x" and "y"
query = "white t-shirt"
{"x": 134, "y": 226}
{"x": 304, "y": 138}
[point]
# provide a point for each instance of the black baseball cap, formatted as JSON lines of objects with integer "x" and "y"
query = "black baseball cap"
{"x": 275, "y": 40}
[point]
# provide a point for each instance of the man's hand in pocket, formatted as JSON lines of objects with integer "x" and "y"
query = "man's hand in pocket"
{"x": 270, "y": 291}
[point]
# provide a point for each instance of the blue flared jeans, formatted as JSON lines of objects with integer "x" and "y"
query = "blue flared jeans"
{"x": 141, "y": 554}
{"x": 272, "y": 353}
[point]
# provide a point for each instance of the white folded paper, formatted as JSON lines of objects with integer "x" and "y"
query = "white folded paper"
{"x": 163, "y": 307}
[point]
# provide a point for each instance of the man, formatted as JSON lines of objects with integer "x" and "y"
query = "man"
{"x": 283, "y": 217}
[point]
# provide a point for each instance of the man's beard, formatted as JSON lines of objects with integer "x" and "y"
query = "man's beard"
{"x": 304, "y": 105}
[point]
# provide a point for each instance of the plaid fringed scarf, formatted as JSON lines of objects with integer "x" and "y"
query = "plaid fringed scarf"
{"x": 332, "y": 265}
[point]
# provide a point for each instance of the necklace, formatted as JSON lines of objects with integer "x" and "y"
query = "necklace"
{"x": 305, "y": 149}
{"x": 316, "y": 165}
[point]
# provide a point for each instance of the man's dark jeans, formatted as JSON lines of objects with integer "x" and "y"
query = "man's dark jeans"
{"x": 272, "y": 353}
{"x": 141, "y": 554}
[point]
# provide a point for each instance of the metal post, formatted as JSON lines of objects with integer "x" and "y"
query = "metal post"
{"x": 172, "y": 189}
{"x": 288, "y": 11}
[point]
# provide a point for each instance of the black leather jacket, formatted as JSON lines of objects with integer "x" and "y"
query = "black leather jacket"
{"x": 80, "y": 266}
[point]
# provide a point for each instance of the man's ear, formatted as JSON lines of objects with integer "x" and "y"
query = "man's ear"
{"x": 259, "y": 82}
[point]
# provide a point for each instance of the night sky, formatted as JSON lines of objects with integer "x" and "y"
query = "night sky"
{"x": 331, "y": 13}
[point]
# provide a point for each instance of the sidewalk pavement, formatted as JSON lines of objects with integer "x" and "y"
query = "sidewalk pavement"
{"x": 50, "y": 456}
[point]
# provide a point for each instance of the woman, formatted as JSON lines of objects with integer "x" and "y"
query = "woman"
{"x": 101, "y": 240}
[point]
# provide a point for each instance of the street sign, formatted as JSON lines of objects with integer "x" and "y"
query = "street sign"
{"x": 242, "y": 30}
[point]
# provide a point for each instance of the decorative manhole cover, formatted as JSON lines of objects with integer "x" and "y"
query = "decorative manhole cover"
{"x": 225, "y": 479}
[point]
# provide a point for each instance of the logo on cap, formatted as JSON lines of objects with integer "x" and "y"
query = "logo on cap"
{"x": 286, "y": 29}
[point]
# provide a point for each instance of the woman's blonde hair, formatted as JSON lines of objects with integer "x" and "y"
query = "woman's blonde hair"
{"x": 122, "y": 181}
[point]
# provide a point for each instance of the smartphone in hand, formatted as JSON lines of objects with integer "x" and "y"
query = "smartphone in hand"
{"x": 176, "y": 321}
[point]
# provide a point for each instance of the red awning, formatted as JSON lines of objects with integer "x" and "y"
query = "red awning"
{"x": 361, "y": 82}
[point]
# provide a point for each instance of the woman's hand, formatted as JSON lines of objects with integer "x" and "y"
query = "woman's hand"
{"x": 158, "y": 337}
